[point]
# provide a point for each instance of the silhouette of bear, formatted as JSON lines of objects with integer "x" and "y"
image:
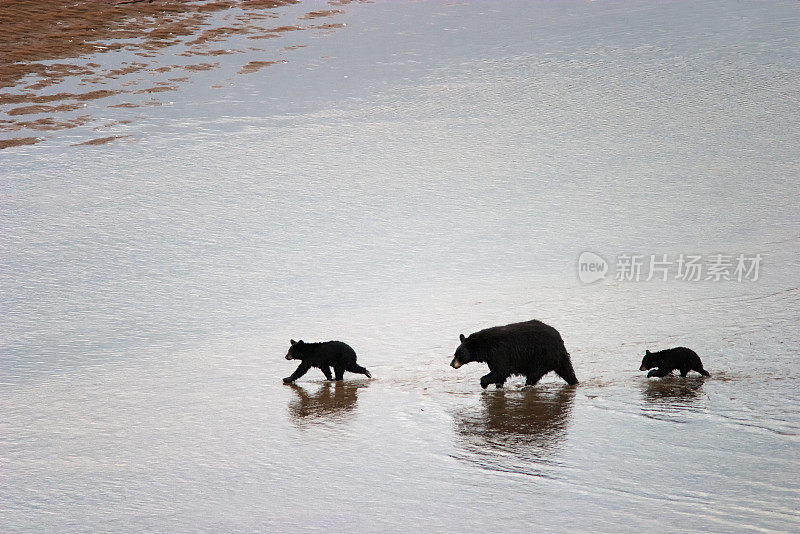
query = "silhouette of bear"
{"x": 323, "y": 356}
{"x": 531, "y": 348}
{"x": 664, "y": 362}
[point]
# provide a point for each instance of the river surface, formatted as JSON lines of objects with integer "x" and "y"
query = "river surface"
{"x": 413, "y": 171}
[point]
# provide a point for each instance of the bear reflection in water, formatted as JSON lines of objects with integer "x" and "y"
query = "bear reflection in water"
{"x": 525, "y": 426}
{"x": 331, "y": 401}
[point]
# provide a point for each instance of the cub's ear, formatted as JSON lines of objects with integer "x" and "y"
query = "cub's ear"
{"x": 461, "y": 337}
{"x": 647, "y": 352}
{"x": 292, "y": 341}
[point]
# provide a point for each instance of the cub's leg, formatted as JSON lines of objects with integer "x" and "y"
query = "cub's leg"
{"x": 685, "y": 371}
{"x": 300, "y": 371}
{"x": 326, "y": 370}
{"x": 702, "y": 371}
{"x": 659, "y": 372}
{"x": 355, "y": 368}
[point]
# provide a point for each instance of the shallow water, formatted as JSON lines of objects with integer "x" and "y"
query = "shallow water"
{"x": 426, "y": 170}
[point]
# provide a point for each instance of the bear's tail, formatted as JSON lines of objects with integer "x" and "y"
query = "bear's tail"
{"x": 566, "y": 371}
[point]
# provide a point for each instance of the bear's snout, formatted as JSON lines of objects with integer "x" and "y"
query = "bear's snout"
{"x": 455, "y": 364}
{"x": 643, "y": 368}
{"x": 289, "y": 356}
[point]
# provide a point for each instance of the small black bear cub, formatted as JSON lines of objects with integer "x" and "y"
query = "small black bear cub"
{"x": 531, "y": 348}
{"x": 323, "y": 356}
{"x": 666, "y": 361}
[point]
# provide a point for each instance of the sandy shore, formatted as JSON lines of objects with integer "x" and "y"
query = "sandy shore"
{"x": 57, "y": 56}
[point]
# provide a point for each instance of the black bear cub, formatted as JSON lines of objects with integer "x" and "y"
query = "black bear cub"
{"x": 666, "y": 361}
{"x": 323, "y": 356}
{"x": 531, "y": 348}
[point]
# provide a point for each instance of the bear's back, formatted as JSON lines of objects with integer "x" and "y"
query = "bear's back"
{"x": 533, "y": 329}
{"x": 677, "y": 352}
{"x": 336, "y": 348}
{"x": 676, "y": 358}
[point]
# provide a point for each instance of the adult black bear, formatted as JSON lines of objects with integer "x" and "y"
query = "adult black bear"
{"x": 666, "y": 361}
{"x": 323, "y": 356}
{"x": 531, "y": 348}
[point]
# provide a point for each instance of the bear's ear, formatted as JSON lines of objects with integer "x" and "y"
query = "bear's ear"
{"x": 461, "y": 337}
{"x": 647, "y": 352}
{"x": 292, "y": 341}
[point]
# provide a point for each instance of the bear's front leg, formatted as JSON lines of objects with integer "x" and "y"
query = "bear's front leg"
{"x": 659, "y": 372}
{"x": 492, "y": 378}
{"x": 300, "y": 371}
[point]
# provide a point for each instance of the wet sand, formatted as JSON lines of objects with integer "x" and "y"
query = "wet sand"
{"x": 56, "y": 55}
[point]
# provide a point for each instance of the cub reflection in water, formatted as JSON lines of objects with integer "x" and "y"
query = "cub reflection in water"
{"x": 330, "y": 401}
{"x": 674, "y": 390}
{"x": 526, "y": 425}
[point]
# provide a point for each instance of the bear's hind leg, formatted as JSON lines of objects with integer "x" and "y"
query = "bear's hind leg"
{"x": 339, "y": 371}
{"x": 567, "y": 373}
{"x": 355, "y": 368}
{"x": 685, "y": 372}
